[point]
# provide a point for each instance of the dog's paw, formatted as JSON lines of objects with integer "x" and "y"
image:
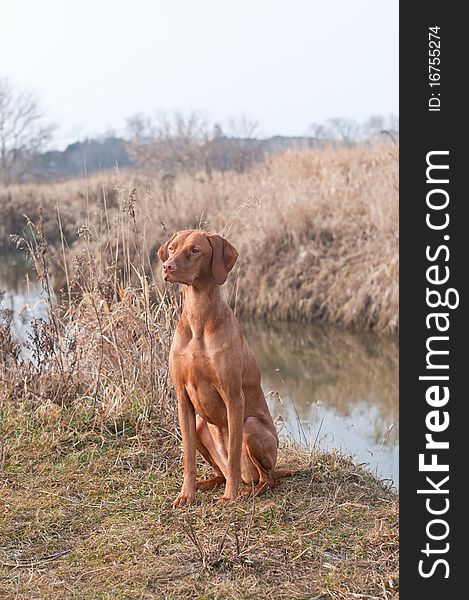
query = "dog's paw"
{"x": 183, "y": 500}
{"x": 247, "y": 493}
{"x": 225, "y": 500}
{"x": 252, "y": 492}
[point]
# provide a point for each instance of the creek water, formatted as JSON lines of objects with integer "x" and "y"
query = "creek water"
{"x": 330, "y": 387}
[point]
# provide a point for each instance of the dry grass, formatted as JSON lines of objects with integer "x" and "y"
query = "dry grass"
{"x": 317, "y": 231}
{"x": 86, "y": 513}
{"x": 89, "y": 445}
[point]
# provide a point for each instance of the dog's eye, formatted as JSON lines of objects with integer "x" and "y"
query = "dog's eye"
{"x": 195, "y": 250}
{"x": 171, "y": 249}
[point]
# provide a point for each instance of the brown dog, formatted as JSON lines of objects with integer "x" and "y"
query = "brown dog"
{"x": 221, "y": 407}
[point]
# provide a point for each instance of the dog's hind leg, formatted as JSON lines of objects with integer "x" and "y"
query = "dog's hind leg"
{"x": 261, "y": 447}
{"x": 207, "y": 448}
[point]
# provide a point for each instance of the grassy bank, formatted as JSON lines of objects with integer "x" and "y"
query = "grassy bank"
{"x": 90, "y": 456}
{"x": 86, "y": 513}
{"x": 317, "y": 231}
{"x": 90, "y": 461}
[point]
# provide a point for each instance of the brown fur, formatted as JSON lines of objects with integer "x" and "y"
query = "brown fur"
{"x": 221, "y": 407}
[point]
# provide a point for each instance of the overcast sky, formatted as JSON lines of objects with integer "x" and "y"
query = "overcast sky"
{"x": 287, "y": 64}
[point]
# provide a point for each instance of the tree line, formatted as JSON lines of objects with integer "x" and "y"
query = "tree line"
{"x": 163, "y": 143}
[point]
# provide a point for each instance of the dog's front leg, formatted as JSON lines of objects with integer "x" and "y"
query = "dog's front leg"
{"x": 186, "y": 416}
{"x": 235, "y": 413}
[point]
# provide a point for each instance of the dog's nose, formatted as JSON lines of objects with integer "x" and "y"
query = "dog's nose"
{"x": 169, "y": 266}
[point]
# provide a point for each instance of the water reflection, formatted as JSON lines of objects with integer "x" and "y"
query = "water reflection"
{"x": 20, "y": 292}
{"x": 335, "y": 387}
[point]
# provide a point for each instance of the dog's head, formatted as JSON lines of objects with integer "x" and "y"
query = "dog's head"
{"x": 196, "y": 255}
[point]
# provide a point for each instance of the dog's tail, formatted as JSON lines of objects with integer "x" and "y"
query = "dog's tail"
{"x": 282, "y": 473}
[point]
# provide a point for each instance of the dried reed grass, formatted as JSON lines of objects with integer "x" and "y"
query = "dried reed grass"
{"x": 317, "y": 230}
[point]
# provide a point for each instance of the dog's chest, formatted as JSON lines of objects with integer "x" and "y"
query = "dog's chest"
{"x": 193, "y": 368}
{"x": 207, "y": 402}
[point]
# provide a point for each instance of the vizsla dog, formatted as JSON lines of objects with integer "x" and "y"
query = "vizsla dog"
{"x": 221, "y": 407}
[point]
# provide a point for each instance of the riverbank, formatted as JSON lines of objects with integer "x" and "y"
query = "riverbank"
{"x": 86, "y": 512}
{"x": 317, "y": 230}
{"x": 331, "y": 385}
{"x": 90, "y": 461}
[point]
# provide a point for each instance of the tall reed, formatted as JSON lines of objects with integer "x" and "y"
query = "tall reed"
{"x": 317, "y": 230}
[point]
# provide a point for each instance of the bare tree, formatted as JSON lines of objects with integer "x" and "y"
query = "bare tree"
{"x": 140, "y": 127}
{"x": 321, "y": 132}
{"x": 23, "y": 132}
{"x": 244, "y": 128}
{"x": 183, "y": 140}
{"x": 244, "y": 148}
{"x": 346, "y": 130}
{"x": 169, "y": 143}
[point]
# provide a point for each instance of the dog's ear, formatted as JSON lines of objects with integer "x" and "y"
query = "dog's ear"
{"x": 163, "y": 251}
{"x": 223, "y": 257}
